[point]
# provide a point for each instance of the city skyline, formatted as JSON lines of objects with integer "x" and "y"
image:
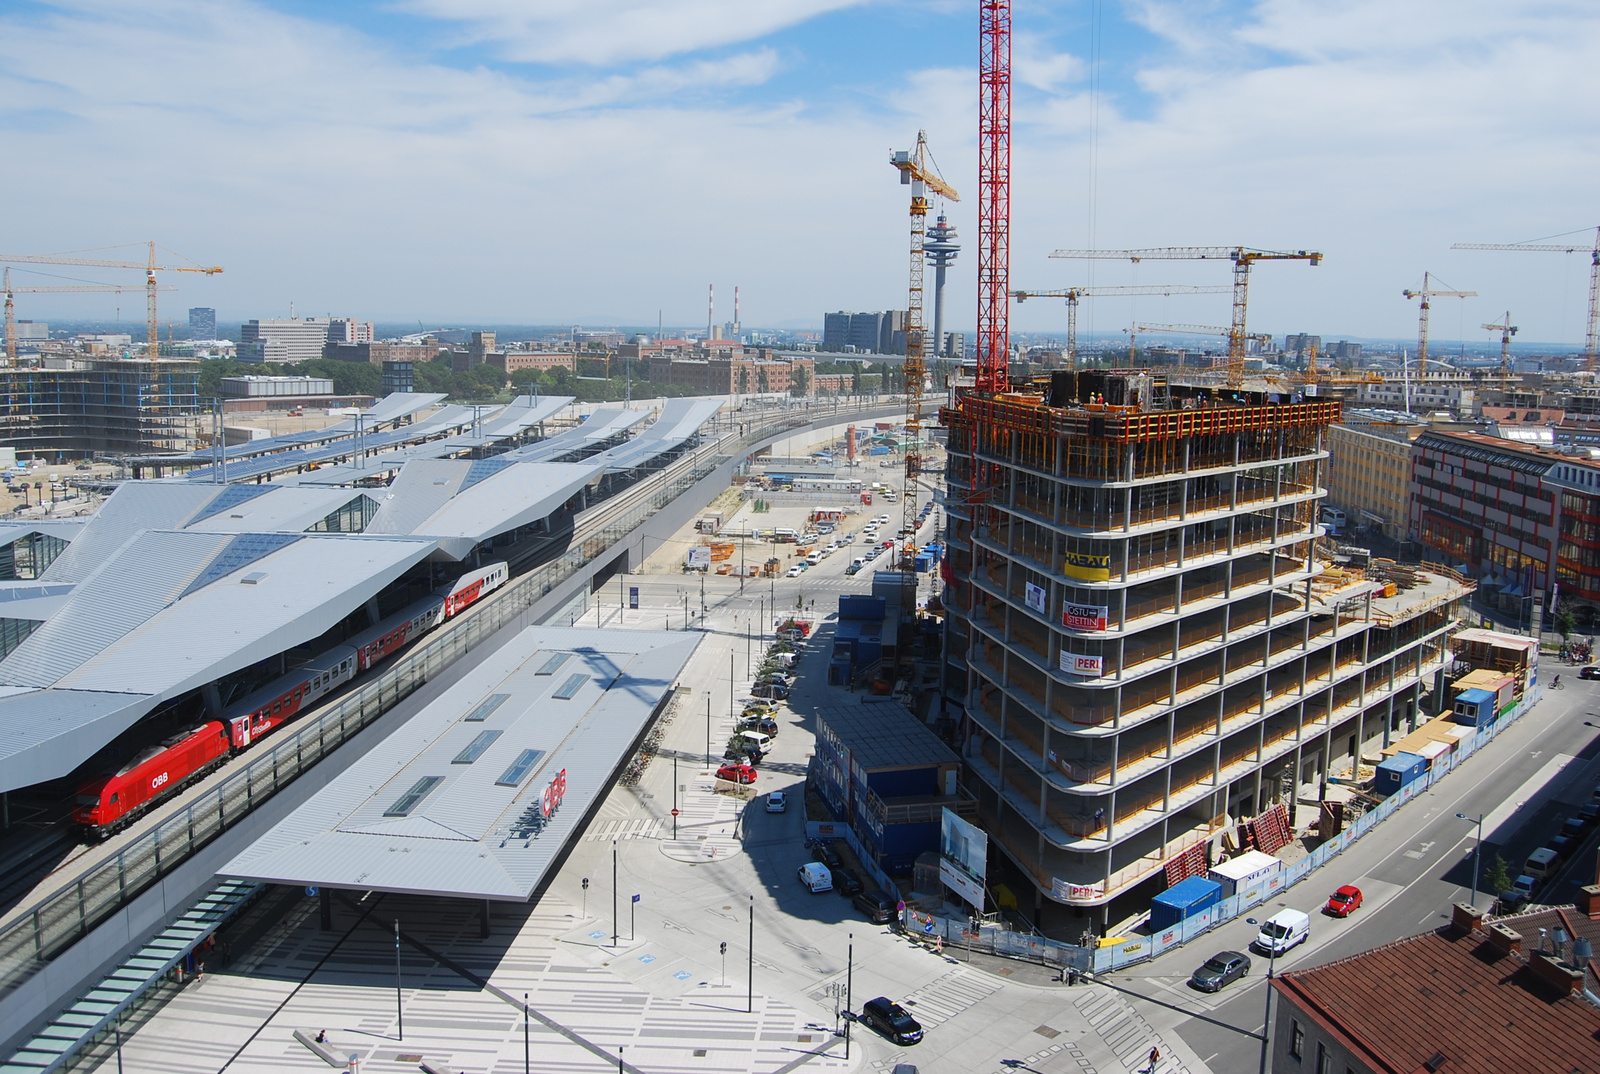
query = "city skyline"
{"x": 455, "y": 162}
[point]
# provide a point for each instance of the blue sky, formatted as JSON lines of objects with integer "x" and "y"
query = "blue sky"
{"x": 590, "y": 161}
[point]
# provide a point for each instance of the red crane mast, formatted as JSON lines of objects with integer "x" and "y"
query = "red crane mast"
{"x": 994, "y": 194}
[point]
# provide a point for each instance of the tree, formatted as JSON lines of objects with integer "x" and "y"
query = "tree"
{"x": 763, "y": 385}
{"x": 1497, "y": 877}
{"x": 855, "y": 382}
{"x": 800, "y": 381}
{"x": 1565, "y": 621}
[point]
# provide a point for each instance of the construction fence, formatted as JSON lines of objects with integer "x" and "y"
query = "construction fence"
{"x": 999, "y": 940}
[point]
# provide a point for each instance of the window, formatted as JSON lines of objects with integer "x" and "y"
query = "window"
{"x": 485, "y": 707}
{"x": 1297, "y": 1039}
{"x": 1324, "y": 1060}
{"x": 553, "y": 663}
{"x": 513, "y": 776}
{"x": 413, "y": 798}
{"x": 570, "y": 688}
{"x": 476, "y": 747}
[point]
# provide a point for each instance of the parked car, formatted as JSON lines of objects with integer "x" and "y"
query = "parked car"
{"x": 1220, "y": 969}
{"x": 815, "y": 876}
{"x": 737, "y": 773}
{"x": 776, "y": 691}
{"x": 828, "y": 856}
{"x": 1510, "y": 902}
{"x": 1590, "y": 672}
{"x": 891, "y": 1019}
{"x": 1343, "y": 902}
{"x": 1590, "y": 812}
{"x": 1573, "y": 827}
{"x": 854, "y": 568}
{"x": 794, "y": 572}
{"x": 777, "y": 801}
{"x": 846, "y": 882}
{"x": 879, "y": 908}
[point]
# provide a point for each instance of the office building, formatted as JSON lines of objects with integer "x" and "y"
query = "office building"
{"x": 1522, "y": 517}
{"x": 1300, "y": 344}
{"x": 1421, "y": 395}
{"x": 202, "y": 322}
{"x": 100, "y": 406}
{"x": 1369, "y": 469}
{"x": 32, "y": 331}
{"x": 892, "y": 332}
{"x": 346, "y": 330}
{"x": 1146, "y": 648}
{"x": 836, "y": 331}
{"x": 398, "y": 376}
{"x": 294, "y": 339}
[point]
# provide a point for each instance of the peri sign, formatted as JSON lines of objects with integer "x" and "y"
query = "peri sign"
{"x": 1074, "y": 664}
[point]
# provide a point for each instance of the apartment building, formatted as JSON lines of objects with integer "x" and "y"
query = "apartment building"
{"x": 1145, "y": 645}
{"x": 292, "y": 339}
{"x": 1425, "y": 394}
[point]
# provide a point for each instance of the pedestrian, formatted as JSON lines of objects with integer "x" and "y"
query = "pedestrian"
{"x": 322, "y": 1036}
{"x": 1155, "y": 1059}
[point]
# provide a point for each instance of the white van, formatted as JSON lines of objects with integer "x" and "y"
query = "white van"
{"x": 816, "y": 877}
{"x": 785, "y": 533}
{"x": 1541, "y": 864}
{"x": 760, "y": 741}
{"x": 1282, "y": 931}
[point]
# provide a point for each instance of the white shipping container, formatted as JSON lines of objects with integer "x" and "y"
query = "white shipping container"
{"x": 1243, "y": 871}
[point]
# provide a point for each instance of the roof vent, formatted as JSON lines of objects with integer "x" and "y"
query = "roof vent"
{"x": 253, "y": 578}
{"x": 1582, "y": 952}
{"x": 1435, "y": 1061}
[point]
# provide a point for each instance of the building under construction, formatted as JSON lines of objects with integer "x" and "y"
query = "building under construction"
{"x": 1148, "y": 649}
{"x": 99, "y": 407}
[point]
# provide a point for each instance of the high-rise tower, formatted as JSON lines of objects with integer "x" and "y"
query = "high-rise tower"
{"x": 941, "y": 248}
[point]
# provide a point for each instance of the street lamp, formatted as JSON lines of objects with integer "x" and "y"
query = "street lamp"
{"x": 1477, "y": 852}
{"x": 1266, "y": 1018}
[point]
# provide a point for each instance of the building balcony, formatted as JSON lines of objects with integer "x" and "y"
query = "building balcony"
{"x": 1200, "y": 466}
{"x": 1139, "y": 521}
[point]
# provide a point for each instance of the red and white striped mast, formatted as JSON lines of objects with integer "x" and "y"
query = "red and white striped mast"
{"x": 994, "y": 195}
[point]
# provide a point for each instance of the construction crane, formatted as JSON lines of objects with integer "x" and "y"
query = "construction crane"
{"x": 1191, "y": 330}
{"x": 11, "y": 313}
{"x": 1506, "y": 330}
{"x": 152, "y": 343}
{"x": 1426, "y": 294}
{"x": 1072, "y": 294}
{"x": 994, "y": 195}
{"x": 1242, "y": 258}
{"x": 918, "y": 172}
{"x": 1594, "y": 280}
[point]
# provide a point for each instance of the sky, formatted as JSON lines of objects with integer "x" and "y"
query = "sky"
{"x": 604, "y": 161}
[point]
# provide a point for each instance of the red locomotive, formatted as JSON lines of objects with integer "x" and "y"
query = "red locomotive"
{"x": 110, "y": 803}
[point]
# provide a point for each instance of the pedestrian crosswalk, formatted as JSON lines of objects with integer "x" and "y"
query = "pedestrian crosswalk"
{"x": 603, "y": 830}
{"x": 1125, "y": 1031}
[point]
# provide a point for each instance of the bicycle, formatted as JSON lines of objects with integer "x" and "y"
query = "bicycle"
{"x": 1556, "y": 684}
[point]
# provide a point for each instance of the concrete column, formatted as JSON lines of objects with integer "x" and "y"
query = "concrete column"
{"x": 483, "y": 921}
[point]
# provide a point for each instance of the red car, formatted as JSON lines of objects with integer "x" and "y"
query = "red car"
{"x": 737, "y": 773}
{"x": 1343, "y": 901}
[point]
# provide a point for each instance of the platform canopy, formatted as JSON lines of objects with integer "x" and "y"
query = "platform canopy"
{"x": 478, "y": 795}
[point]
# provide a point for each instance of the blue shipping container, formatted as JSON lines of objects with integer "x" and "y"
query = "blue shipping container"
{"x": 839, "y": 673}
{"x": 862, "y": 608}
{"x": 1398, "y": 771}
{"x": 1183, "y": 900}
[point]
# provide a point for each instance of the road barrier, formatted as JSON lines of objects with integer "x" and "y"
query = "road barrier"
{"x": 60, "y": 918}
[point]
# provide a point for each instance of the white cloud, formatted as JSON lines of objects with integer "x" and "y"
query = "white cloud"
{"x": 600, "y": 32}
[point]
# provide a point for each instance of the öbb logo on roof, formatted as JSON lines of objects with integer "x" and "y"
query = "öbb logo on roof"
{"x": 554, "y": 791}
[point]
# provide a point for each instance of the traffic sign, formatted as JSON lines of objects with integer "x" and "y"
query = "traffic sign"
{"x": 674, "y": 812}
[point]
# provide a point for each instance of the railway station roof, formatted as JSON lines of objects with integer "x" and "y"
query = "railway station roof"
{"x": 463, "y": 502}
{"x": 679, "y": 420}
{"x": 523, "y": 413}
{"x": 391, "y": 407}
{"x": 450, "y": 803}
{"x": 600, "y": 426}
{"x": 166, "y": 613}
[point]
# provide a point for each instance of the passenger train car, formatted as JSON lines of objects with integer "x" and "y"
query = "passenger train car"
{"x": 110, "y": 802}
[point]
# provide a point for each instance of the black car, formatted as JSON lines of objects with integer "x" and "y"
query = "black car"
{"x": 1590, "y": 812}
{"x": 892, "y": 1020}
{"x": 1220, "y": 969}
{"x": 1590, "y": 672}
{"x": 772, "y": 690}
{"x": 845, "y": 880}
{"x": 828, "y": 856}
{"x": 1563, "y": 845}
{"x": 1573, "y": 827}
{"x": 1510, "y": 902}
{"x": 879, "y": 908}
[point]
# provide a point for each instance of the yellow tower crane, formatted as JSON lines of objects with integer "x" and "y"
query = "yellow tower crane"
{"x": 1072, "y": 294}
{"x": 1591, "y": 337}
{"x": 11, "y": 313}
{"x": 1193, "y": 330}
{"x": 149, "y": 266}
{"x": 1506, "y": 330}
{"x": 1425, "y": 294}
{"x": 917, "y": 171}
{"x": 1242, "y": 257}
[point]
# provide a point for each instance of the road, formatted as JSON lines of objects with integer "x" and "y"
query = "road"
{"x": 1411, "y": 869}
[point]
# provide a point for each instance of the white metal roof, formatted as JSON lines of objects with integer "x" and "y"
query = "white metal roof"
{"x": 171, "y": 611}
{"x": 680, "y": 419}
{"x": 462, "y": 502}
{"x": 601, "y": 426}
{"x": 471, "y": 834}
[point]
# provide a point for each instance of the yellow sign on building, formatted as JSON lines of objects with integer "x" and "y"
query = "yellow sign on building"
{"x": 1087, "y": 567}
